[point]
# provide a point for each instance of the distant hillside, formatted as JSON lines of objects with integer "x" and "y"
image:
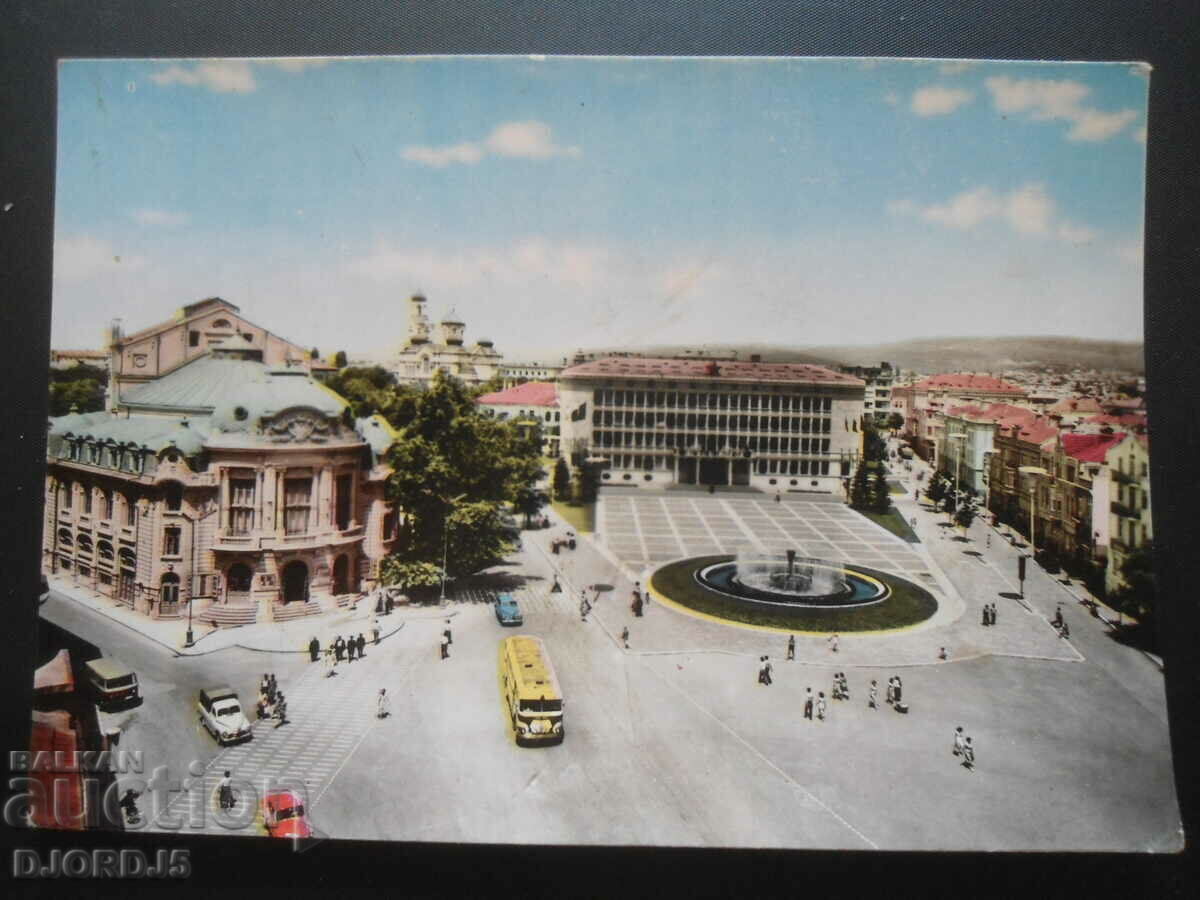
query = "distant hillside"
{"x": 932, "y": 355}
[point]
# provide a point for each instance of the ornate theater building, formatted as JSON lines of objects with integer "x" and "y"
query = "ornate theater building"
{"x": 233, "y": 484}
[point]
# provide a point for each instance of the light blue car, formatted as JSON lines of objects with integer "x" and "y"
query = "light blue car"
{"x": 507, "y": 611}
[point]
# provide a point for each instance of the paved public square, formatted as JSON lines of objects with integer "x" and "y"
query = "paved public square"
{"x": 672, "y": 742}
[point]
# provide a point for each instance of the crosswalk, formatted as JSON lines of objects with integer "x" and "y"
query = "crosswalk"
{"x": 530, "y": 599}
{"x": 328, "y": 718}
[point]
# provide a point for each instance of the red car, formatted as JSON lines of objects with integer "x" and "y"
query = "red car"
{"x": 283, "y": 814}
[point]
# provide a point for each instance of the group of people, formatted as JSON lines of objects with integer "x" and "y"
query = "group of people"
{"x": 343, "y": 649}
{"x": 964, "y": 748}
{"x": 764, "y": 670}
{"x": 989, "y": 614}
{"x": 895, "y": 691}
{"x": 810, "y": 704}
{"x": 557, "y": 544}
{"x": 841, "y": 687}
{"x": 639, "y": 600}
{"x": 271, "y": 702}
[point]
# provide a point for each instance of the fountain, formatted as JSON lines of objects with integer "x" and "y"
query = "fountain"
{"x": 790, "y": 579}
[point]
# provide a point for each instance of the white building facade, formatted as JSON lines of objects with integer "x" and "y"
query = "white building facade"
{"x": 773, "y": 426}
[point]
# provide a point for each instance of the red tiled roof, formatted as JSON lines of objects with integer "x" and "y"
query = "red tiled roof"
{"x": 1131, "y": 419}
{"x": 981, "y": 383}
{"x": 1089, "y": 447}
{"x": 731, "y": 370}
{"x": 1075, "y": 405}
{"x": 1126, "y": 403}
{"x": 532, "y": 393}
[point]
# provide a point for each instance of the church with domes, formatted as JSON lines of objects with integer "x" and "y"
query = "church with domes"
{"x": 427, "y": 350}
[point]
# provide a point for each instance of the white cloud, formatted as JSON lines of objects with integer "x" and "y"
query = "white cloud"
{"x": 516, "y": 140}
{"x": 526, "y": 140}
{"x": 439, "y": 157}
{"x": 937, "y": 100}
{"x": 1050, "y": 100}
{"x": 966, "y": 210}
{"x": 295, "y": 65}
{"x": 1028, "y": 210}
{"x": 159, "y": 217}
{"x": 957, "y": 67}
{"x": 84, "y": 257}
{"x": 223, "y": 76}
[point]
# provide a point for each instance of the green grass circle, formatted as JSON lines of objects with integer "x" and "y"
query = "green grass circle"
{"x": 906, "y": 605}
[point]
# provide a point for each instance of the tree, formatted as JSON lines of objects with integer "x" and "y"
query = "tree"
{"x": 882, "y": 499}
{"x": 84, "y": 395}
{"x": 409, "y": 575}
{"x": 938, "y": 489}
{"x": 561, "y": 484}
{"x": 860, "y": 487}
{"x": 1138, "y": 595}
{"x": 450, "y": 466}
{"x": 874, "y": 446}
{"x": 339, "y": 359}
{"x": 895, "y": 421}
{"x": 528, "y": 502}
{"x": 314, "y": 353}
{"x": 373, "y": 389}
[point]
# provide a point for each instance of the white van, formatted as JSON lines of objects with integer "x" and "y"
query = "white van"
{"x": 111, "y": 683}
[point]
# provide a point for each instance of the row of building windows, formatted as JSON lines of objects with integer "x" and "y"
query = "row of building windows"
{"x": 712, "y": 422}
{"x": 711, "y": 443}
{"x": 98, "y": 502}
{"x": 698, "y": 400}
{"x": 112, "y": 456}
{"x": 633, "y": 461}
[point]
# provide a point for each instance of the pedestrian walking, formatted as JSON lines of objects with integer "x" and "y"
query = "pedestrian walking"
{"x": 264, "y": 686}
{"x": 381, "y": 704}
{"x": 625, "y": 636}
{"x": 637, "y": 586}
{"x": 960, "y": 741}
{"x": 339, "y": 647}
{"x": 873, "y": 696}
{"x": 791, "y": 651}
{"x": 833, "y": 642}
{"x": 987, "y": 614}
{"x": 362, "y": 645}
{"x": 891, "y": 691}
{"x": 330, "y": 662}
{"x": 968, "y": 754}
{"x": 584, "y": 608}
{"x": 767, "y": 669}
{"x": 351, "y": 646}
{"x": 777, "y": 496}
{"x": 449, "y": 636}
{"x": 375, "y": 631}
{"x": 314, "y": 649}
{"x": 942, "y": 654}
{"x": 899, "y": 689}
{"x": 1064, "y": 630}
{"x": 445, "y": 645}
{"x": 845, "y": 687}
{"x": 993, "y": 613}
{"x": 272, "y": 690}
{"x": 1058, "y": 616}
{"x": 808, "y": 704}
{"x": 225, "y": 791}
{"x": 821, "y": 706}
{"x": 281, "y": 711}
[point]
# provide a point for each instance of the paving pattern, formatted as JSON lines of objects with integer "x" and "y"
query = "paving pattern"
{"x": 650, "y": 529}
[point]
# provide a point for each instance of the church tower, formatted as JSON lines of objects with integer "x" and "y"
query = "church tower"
{"x": 418, "y": 323}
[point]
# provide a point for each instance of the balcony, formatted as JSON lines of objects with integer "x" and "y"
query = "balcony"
{"x": 1125, "y": 512}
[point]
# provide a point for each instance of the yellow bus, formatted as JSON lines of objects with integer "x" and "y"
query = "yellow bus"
{"x": 532, "y": 698}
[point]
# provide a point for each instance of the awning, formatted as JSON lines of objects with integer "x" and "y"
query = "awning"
{"x": 55, "y": 676}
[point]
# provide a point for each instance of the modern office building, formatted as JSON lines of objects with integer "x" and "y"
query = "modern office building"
{"x": 654, "y": 421}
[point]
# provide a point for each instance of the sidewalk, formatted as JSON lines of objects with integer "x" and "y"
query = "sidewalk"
{"x": 267, "y": 637}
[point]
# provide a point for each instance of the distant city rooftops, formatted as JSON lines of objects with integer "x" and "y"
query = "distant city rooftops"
{"x": 1089, "y": 447}
{"x": 704, "y": 369}
{"x": 959, "y": 381}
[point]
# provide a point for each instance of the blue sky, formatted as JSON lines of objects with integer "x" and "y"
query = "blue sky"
{"x": 560, "y": 203}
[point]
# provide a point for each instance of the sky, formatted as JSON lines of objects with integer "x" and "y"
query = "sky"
{"x": 558, "y": 203}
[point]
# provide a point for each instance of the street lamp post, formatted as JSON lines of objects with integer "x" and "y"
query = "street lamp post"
{"x": 189, "y": 640}
{"x": 960, "y": 439}
{"x": 1032, "y": 470}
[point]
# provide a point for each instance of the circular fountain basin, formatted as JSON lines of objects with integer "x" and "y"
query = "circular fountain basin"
{"x": 819, "y": 584}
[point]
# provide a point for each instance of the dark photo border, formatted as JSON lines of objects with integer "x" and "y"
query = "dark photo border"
{"x": 35, "y": 33}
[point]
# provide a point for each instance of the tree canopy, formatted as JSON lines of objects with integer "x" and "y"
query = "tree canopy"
{"x": 452, "y": 468}
{"x": 80, "y": 386}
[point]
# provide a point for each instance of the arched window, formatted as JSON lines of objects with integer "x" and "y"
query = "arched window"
{"x": 106, "y": 504}
{"x": 105, "y": 550}
{"x": 169, "y": 589}
{"x": 85, "y": 545}
{"x": 239, "y": 578}
{"x": 221, "y": 323}
{"x": 64, "y": 495}
{"x": 130, "y": 512}
{"x": 65, "y": 541}
{"x": 87, "y": 499}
